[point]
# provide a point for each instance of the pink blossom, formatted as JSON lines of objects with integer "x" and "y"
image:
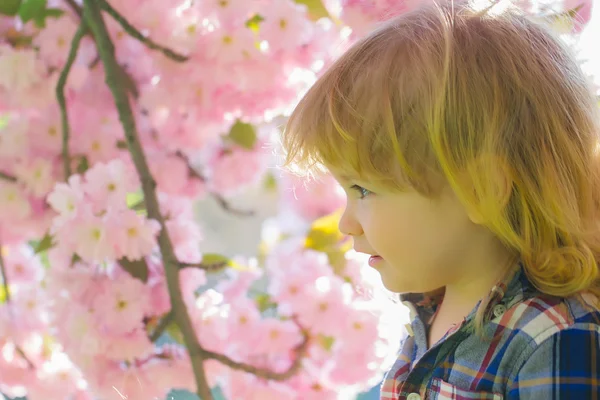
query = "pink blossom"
{"x": 128, "y": 346}
{"x": 89, "y": 236}
{"x": 185, "y": 236}
{"x": 108, "y": 184}
{"x": 133, "y": 383}
{"x": 312, "y": 199}
{"x": 584, "y": 13}
{"x": 19, "y": 69}
{"x": 14, "y": 204}
{"x": 191, "y": 279}
{"x": 231, "y": 171}
{"x": 326, "y": 313}
{"x": 242, "y": 385}
{"x": 37, "y": 174}
{"x": 66, "y": 198}
{"x": 122, "y": 306}
{"x": 15, "y": 139}
{"x": 55, "y": 42}
{"x": 277, "y": 337}
{"x": 22, "y": 266}
{"x": 230, "y": 45}
{"x": 171, "y": 173}
{"x": 285, "y": 25}
{"x": 134, "y": 235}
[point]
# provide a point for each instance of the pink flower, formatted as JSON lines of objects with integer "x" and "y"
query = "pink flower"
{"x": 19, "y": 69}
{"x": 285, "y": 25}
{"x": 191, "y": 279}
{"x": 185, "y": 236}
{"x": 55, "y": 41}
{"x": 90, "y": 237}
{"x": 122, "y": 306}
{"x": 128, "y": 346}
{"x": 15, "y": 137}
{"x": 108, "y": 184}
{"x": 312, "y": 199}
{"x": 22, "y": 266}
{"x": 277, "y": 337}
{"x": 232, "y": 171}
{"x": 65, "y": 198}
{"x": 134, "y": 236}
{"x": 37, "y": 174}
{"x": 326, "y": 312}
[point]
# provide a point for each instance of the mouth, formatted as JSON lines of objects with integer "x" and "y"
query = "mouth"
{"x": 375, "y": 260}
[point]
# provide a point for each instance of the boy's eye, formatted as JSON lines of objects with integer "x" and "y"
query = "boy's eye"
{"x": 363, "y": 192}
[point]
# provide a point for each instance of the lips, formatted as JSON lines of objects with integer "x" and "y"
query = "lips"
{"x": 375, "y": 260}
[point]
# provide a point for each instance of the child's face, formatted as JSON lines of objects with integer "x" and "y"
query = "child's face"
{"x": 424, "y": 243}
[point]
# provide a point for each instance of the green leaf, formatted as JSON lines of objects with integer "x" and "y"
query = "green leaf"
{"x": 175, "y": 333}
{"x": 2, "y": 294}
{"x": 254, "y": 22}
{"x": 243, "y": 134}
{"x": 10, "y": 7}
{"x": 54, "y": 12}
{"x": 46, "y": 243}
{"x": 326, "y": 342}
{"x": 4, "y": 121}
{"x": 209, "y": 259}
{"x": 83, "y": 165}
{"x": 32, "y": 9}
{"x": 138, "y": 268}
{"x": 270, "y": 183}
{"x": 263, "y": 302}
{"x": 316, "y": 9}
{"x": 134, "y": 198}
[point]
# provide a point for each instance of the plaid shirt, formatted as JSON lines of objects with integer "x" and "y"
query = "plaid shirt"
{"x": 546, "y": 348}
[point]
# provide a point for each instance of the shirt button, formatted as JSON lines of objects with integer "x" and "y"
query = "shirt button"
{"x": 499, "y": 310}
{"x": 413, "y": 396}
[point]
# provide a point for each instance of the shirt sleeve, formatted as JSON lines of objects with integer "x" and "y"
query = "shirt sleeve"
{"x": 564, "y": 366}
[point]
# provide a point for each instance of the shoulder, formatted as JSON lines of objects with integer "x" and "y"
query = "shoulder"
{"x": 541, "y": 316}
{"x": 555, "y": 346}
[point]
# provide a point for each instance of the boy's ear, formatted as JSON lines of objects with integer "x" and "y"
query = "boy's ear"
{"x": 491, "y": 178}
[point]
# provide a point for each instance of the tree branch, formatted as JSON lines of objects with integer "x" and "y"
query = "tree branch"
{"x": 207, "y": 267}
{"x": 261, "y": 372}
{"x": 162, "y": 325}
{"x": 7, "y": 177}
{"x": 94, "y": 21}
{"x": 222, "y": 202}
{"x": 76, "y": 9}
{"x": 137, "y": 34}
{"x": 60, "y": 95}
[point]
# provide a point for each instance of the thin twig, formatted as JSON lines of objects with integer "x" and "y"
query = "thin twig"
{"x": 60, "y": 95}
{"x": 8, "y": 300}
{"x": 7, "y": 177}
{"x": 162, "y": 325}
{"x": 216, "y": 267}
{"x": 95, "y": 22}
{"x": 261, "y": 372}
{"x": 220, "y": 199}
{"x": 76, "y": 9}
{"x": 138, "y": 35}
{"x": 227, "y": 207}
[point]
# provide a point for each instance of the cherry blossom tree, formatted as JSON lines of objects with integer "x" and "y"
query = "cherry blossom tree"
{"x": 115, "y": 117}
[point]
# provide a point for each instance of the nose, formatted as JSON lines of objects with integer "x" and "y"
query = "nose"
{"x": 348, "y": 224}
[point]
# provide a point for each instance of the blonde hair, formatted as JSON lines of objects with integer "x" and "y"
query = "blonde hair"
{"x": 447, "y": 94}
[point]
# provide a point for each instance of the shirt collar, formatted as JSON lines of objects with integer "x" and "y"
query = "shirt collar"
{"x": 424, "y": 305}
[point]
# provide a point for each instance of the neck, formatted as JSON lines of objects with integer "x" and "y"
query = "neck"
{"x": 462, "y": 296}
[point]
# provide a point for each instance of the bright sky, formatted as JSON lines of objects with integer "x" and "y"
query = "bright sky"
{"x": 590, "y": 42}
